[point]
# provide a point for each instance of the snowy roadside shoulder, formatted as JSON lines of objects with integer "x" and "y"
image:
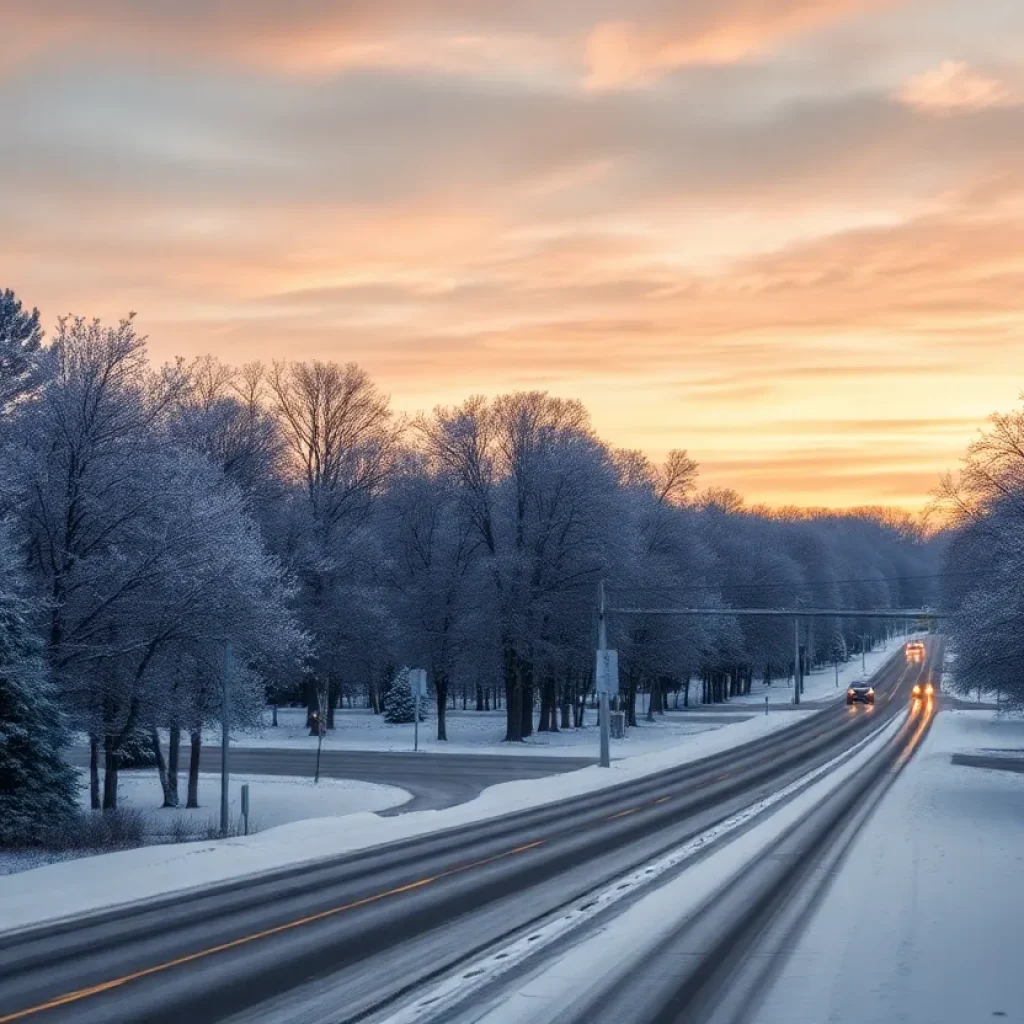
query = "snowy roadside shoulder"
{"x": 96, "y": 883}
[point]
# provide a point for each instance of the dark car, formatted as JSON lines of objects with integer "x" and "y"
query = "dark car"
{"x": 860, "y": 693}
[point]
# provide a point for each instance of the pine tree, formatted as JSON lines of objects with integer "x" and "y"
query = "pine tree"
{"x": 37, "y": 786}
{"x": 399, "y": 703}
{"x": 20, "y": 341}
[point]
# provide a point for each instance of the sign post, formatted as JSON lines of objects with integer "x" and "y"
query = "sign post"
{"x": 245, "y": 808}
{"x": 606, "y": 677}
{"x": 418, "y": 688}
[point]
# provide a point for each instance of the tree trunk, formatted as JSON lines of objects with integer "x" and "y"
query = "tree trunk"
{"x": 526, "y": 699}
{"x": 109, "y": 774}
{"x": 196, "y": 737}
{"x": 441, "y": 701}
{"x": 161, "y": 766}
{"x": 513, "y": 699}
{"x": 332, "y": 696}
{"x": 479, "y": 697}
{"x": 94, "y": 773}
{"x": 546, "y": 708}
{"x": 173, "y": 757}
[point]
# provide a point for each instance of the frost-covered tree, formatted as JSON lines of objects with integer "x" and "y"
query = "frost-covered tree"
{"x": 399, "y": 702}
{"x": 434, "y": 575}
{"x": 37, "y": 786}
{"x": 984, "y": 562}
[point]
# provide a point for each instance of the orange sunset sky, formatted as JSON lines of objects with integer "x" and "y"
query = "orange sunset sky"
{"x": 787, "y": 235}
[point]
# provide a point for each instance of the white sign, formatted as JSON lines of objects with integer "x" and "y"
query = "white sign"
{"x": 606, "y": 675}
{"x": 418, "y": 681}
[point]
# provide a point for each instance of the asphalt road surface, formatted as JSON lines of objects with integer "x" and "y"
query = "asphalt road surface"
{"x": 434, "y": 780}
{"x": 349, "y": 935}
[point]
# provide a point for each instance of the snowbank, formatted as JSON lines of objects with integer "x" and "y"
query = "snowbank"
{"x": 929, "y": 899}
{"x": 93, "y": 883}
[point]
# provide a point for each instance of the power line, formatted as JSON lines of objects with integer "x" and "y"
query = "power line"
{"x": 667, "y": 588}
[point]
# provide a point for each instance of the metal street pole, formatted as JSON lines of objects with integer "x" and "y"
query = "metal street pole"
{"x": 416, "y": 718}
{"x": 225, "y": 741}
{"x": 796, "y": 660}
{"x": 602, "y": 645}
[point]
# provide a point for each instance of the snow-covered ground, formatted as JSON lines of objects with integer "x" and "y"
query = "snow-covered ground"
{"x": 273, "y": 800}
{"x": 471, "y": 732}
{"x": 91, "y": 883}
{"x": 924, "y": 920}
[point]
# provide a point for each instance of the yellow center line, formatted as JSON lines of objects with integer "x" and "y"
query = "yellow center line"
{"x": 106, "y": 986}
{"x": 611, "y": 817}
{"x": 661, "y": 799}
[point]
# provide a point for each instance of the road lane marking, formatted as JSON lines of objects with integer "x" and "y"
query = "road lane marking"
{"x": 622, "y": 814}
{"x": 106, "y": 986}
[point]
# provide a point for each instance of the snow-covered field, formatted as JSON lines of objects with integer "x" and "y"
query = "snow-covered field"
{"x": 91, "y": 883}
{"x": 472, "y": 732}
{"x": 273, "y": 800}
{"x": 924, "y": 920}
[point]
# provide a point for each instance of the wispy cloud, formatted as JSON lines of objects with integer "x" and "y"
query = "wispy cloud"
{"x": 954, "y": 87}
{"x": 735, "y": 226}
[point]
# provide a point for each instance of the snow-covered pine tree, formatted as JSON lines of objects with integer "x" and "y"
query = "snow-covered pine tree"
{"x": 399, "y": 703}
{"x": 37, "y": 786}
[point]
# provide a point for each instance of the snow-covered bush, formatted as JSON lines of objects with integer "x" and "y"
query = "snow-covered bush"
{"x": 399, "y": 703}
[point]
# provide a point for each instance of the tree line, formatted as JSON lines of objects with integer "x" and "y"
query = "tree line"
{"x": 156, "y": 519}
{"x": 982, "y": 507}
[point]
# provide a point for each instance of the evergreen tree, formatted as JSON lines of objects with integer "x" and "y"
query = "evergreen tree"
{"x": 37, "y": 786}
{"x": 20, "y": 341}
{"x": 399, "y": 703}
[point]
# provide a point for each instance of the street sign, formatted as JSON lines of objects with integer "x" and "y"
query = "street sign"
{"x": 606, "y": 674}
{"x": 418, "y": 682}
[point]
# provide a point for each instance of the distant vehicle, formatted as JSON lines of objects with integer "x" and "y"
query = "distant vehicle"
{"x": 928, "y": 690}
{"x": 860, "y": 693}
{"x": 915, "y": 651}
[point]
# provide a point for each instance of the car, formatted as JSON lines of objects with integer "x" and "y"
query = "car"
{"x": 927, "y": 690}
{"x": 860, "y": 693}
{"x": 915, "y": 650}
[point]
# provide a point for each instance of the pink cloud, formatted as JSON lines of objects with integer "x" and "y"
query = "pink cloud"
{"x": 954, "y": 87}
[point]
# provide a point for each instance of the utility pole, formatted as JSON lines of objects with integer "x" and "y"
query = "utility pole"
{"x": 796, "y": 659}
{"x": 602, "y": 646}
{"x": 225, "y": 741}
